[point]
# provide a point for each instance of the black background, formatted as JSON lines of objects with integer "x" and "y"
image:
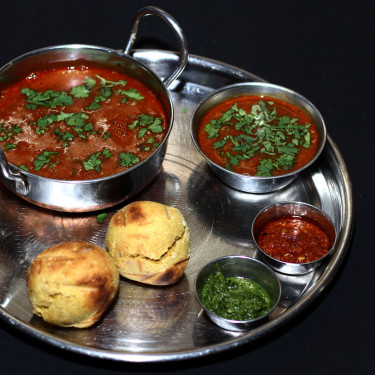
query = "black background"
{"x": 321, "y": 49}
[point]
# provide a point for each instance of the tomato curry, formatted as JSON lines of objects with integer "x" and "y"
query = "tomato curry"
{"x": 79, "y": 123}
{"x": 258, "y": 135}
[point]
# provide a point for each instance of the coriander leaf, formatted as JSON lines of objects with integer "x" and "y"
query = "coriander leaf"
{"x": 307, "y": 139}
{"x": 44, "y": 122}
{"x": 105, "y": 92}
{"x": 43, "y": 158}
{"x": 80, "y": 92}
{"x": 77, "y": 119}
{"x": 93, "y": 106}
{"x": 134, "y": 124}
{"x": 150, "y": 140}
{"x": 88, "y": 127}
{"x": 93, "y": 162}
{"x": 131, "y": 93}
{"x": 108, "y": 83}
{"x": 146, "y": 119}
{"x": 286, "y": 161}
{"x": 265, "y": 168}
{"x": 106, "y": 136}
{"x": 89, "y": 83}
{"x": 66, "y": 137}
{"x": 142, "y": 132}
{"x": 220, "y": 144}
{"x": 100, "y": 218}
{"x": 10, "y": 146}
{"x": 212, "y": 129}
{"x": 63, "y": 116}
{"x": 23, "y": 167}
{"x": 156, "y": 127}
{"x": 232, "y": 159}
{"x": 126, "y": 159}
{"x": 289, "y": 149}
{"x": 107, "y": 153}
{"x": 16, "y": 129}
{"x": 47, "y": 98}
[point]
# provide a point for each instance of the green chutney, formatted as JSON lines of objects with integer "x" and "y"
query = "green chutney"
{"x": 235, "y": 298}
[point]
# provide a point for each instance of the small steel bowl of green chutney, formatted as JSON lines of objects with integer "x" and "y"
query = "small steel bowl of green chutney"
{"x": 237, "y": 292}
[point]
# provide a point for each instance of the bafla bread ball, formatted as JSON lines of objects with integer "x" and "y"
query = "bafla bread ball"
{"x": 149, "y": 242}
{"x": 72, "y": 283}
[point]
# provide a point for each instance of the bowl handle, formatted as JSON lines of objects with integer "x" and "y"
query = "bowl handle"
{"x": 14, "y": 180}
{"x": 150, "y": 10}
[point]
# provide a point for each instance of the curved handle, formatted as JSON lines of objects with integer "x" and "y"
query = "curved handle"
{"x": 14, "y": 180}
{"x": 150, "y": 10}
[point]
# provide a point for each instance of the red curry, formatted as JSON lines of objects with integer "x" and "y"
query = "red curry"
{"x": 258, "y": 135}
{"x": 79, "y": 123}
{"x": 294, "y": 239}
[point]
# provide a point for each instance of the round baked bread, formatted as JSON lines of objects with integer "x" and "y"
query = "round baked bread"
{"x": 149, "y": 242}
{"x": 71, "y": 284}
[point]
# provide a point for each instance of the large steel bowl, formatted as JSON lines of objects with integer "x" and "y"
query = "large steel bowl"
{"x": 95, "y": 194}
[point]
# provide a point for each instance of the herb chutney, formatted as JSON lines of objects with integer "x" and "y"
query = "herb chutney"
{"x": 235, "y": 298}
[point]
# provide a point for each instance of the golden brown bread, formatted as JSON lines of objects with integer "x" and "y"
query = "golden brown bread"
{"x": 71, "y": 284}
{"x": 149, "y": 242}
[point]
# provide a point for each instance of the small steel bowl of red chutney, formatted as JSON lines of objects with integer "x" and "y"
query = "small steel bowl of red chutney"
{"x": 256, "y": 136}
{"x": 294, "y": 238}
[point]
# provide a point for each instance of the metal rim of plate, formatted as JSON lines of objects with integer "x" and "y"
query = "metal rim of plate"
{"x": 213, "y": 74}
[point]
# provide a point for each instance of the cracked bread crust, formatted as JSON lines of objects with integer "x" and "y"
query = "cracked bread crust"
{"x": 72, "y": 284}
{"x": 149, "y": 242}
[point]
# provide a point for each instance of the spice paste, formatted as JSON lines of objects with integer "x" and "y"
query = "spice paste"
{"x": 258, "y": 135}
{"x": 235, "y": 298}
{"x": 79, "y": 123}
{"x": 294, "y": 239}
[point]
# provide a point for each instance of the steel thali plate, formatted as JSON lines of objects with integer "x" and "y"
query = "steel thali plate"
{"x": 149, "y": 324}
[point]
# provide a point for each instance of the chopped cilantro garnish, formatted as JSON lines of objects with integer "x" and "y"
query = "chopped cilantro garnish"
{"x": 47, "y": 98}
{"x": 76, "y": 119}
{"x": 101, "y": 217}
{"x": 65, "y": 137}
{"x": 142, "y": 132}
{"x": 106, "y": 153}
{"x": 147, "y": 122}
{"x": 131, "y": 93}
{"x": 43, "y": 159}
{"x": 10, "y": 146}
{"x": 9, "y": 132}
{"x": 106, "y": 136}
{"x": 127, "y": 159}
{"x": 108, "y": 83}
{"x": 24, "y": 167}
{"x": 80, "y": 92}
{"x": 93, "y": 162}
{"x": 93, "y": 106}
{"x": 276, "y": 139}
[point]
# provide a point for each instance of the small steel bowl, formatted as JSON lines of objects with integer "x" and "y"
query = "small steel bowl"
{"x": 240, "y": 266}
{"x": 256, "y": 184}
{"x": 295, "y": 209}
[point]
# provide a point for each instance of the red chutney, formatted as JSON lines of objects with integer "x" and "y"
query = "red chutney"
{"x": 258, "y": 135}
{"x": 294, "y": 239}
{"x": 79, "y": 123}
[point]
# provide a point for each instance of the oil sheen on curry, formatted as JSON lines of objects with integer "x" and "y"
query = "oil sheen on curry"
{"x": 258, "y": 136}
{"x": 79, "y": 123}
